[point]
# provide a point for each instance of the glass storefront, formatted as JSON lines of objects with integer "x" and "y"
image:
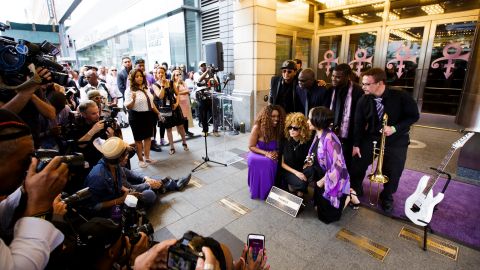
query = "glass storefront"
{"x": 284, "y": 51}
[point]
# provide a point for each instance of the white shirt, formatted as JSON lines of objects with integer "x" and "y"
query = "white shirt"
{"x": 100, "y": 87}
{"x": 140, "y": 104}
{"x": 33, "y": 238}
{"x": 113, "y": 87}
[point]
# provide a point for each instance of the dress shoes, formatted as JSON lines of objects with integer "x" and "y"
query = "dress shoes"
{"x": 155, "y": 147}
{"x": 387, "y": 206}
{"x": 183, "y": 182}
{"x": 189, "y": 134}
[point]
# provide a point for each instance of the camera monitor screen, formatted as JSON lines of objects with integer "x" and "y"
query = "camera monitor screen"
{"x": 177, "y": 261}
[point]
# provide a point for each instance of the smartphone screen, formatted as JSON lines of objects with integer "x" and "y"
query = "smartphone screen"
{"x": 257, "y": 243}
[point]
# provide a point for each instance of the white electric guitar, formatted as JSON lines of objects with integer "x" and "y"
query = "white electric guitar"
{"x": 419, "y": 206}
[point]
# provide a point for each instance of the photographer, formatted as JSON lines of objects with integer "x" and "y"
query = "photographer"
{"x": 27, "y": 206}
{"x": 28, "y": 102}
{"x": 205, "y": 80}
{"x": 213, "y": 255}
{"x": 103, "y": 246}
{"x": 87, "y": 127}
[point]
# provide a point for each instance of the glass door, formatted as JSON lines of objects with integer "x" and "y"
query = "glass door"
{"x": 450, "y": 46}
{"x": 354, "y": 47}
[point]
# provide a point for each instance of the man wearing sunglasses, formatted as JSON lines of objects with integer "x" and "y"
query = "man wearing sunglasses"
{"x": 282, "y": 88}
{"x": 309, "y": 93}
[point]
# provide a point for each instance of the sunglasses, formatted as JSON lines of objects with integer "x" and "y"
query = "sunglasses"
{"x": 114, "y": 70}
{"x": 294, "y": 128}
{"x": 287, "y": 71}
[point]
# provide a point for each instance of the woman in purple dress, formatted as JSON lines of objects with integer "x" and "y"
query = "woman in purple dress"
{"x": 332, "y": 191}
{"x": 263, "y": 145}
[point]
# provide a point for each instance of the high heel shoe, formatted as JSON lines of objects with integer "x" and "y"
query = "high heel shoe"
{"x": 353, "y": 205}
{"x": 185, "y": 147}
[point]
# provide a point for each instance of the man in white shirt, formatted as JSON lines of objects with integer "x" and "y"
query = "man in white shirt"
{"x": 26, "y": 235}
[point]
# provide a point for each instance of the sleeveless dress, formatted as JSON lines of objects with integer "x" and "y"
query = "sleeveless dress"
{"x": 261, "y": 171}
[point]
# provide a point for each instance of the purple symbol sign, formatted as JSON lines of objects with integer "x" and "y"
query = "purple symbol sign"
{"x": 328, "y": 60}
{"x": 360, "y": 57}
{"x": 400, "y": 59}
{"x": 450, "y": 57}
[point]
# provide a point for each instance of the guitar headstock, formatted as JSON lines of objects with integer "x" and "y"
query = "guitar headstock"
{"x": 463, "y": 140}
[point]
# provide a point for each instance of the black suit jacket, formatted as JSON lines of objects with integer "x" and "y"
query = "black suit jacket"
{"x": 317, "y": 96}
{"x": 402, "y": 113}
{"x": 276, "y": 86}
{"x": 339, "y": 105}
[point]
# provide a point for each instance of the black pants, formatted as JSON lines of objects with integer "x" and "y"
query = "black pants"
{"x": 393, "y": 165}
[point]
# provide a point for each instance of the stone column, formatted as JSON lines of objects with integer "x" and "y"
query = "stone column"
{"x": 254, "y": 38}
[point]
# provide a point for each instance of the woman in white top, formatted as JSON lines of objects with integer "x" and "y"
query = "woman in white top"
{"x": 142, "y": 111}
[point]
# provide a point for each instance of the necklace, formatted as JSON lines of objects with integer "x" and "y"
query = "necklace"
{"x": 295, "y": 146}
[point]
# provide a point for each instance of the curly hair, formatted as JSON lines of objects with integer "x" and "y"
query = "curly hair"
{"x": 298, "y": 120}
{"x": 133, "y": 84}
{"x": 265, "y": 124}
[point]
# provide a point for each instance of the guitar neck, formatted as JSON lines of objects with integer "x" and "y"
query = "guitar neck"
{"x": 440, "y": 168}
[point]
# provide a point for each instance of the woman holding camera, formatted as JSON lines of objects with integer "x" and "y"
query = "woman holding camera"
{"x": 142, "y": 112}
{"x": 170, "y": 110}
{"x": 332, "y": 191}
{"x": 263, "y": 144}
{"x": 294, "y": 152}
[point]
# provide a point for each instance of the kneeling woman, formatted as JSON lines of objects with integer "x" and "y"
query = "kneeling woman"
{"x": 332, "y": 190}
{"x": 263, "y": 145}
{"x": 295, "y": 150}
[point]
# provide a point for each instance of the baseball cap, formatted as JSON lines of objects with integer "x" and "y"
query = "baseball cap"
{"x": 11, "y": 120}
{"x": 113, "y": 148}
{"x": 99, "y": 234}
{"x": 201, "y": 63}
{"x": 289, "y": 64}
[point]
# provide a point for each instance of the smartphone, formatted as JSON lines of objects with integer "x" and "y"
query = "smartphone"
{"x": 257, "y": 243}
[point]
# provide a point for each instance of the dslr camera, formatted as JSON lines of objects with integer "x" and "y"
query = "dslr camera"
{"x": 16, "y": 57}
{"x": 44, "y": 157}
{"x": 185, "y": 253}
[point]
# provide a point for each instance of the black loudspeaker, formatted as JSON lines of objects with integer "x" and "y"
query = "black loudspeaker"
{"x": 214, "y": 55}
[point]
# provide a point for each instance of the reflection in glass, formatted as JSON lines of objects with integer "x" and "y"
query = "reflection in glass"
{"x": 361, "y": 50}
{"x": 284, "y": 51}
{"x": 351, "y": 16}
{"x": 448, "y": 67}
{"x": 403, "y": 52}
{"x": 302, "y": 51}
{"x": 405, "y": 8}
{"x": 326, "y": 60}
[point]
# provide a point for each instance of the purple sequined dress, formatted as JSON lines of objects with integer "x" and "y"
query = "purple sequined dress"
{"x": 261, "y": 171}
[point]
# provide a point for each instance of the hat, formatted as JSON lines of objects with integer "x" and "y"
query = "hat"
{"x": 289, "y": 64}
{"x": 99, "y": 233}
{"x": 201, "y": 63}
{"x": 11, "y": 120}
{"x": 93, "y": 93}
{"x": 113, "y": 148}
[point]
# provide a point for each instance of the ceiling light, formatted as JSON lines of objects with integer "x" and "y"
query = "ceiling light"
{"x": 353, "y": 18}
{"x": 433, "y": 9}
{"x": 391, "y": 16}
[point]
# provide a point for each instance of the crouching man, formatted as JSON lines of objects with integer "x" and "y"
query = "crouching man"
{"x": 110, "y": 183}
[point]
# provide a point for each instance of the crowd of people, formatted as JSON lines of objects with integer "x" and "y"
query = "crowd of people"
{"x": 65, "y": 138}
{"x": 311, "y": 134}
{"x": 67, "y": 190}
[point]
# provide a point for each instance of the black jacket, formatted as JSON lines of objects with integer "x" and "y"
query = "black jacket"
{"x": 402, "y": 113}
{"x": 122, "y": 78}
{"x": 282, "y": 94}
{"x": 339, "y": 105}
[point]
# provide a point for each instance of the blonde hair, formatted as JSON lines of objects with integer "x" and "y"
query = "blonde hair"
{"x": 298, "y": 120}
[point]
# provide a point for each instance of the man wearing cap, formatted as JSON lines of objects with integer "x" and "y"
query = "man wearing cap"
{"x": 110, "y": 183}
{"x": 32, "y": 237}
{"x": 205, "y": 80}
{"x": 282, "y": 88}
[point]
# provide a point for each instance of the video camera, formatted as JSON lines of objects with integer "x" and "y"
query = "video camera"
{"x": 134, "y": 220}
{"x": 16, "y": 57}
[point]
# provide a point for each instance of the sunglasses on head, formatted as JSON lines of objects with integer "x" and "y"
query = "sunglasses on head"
{"x": 294, "y": 128}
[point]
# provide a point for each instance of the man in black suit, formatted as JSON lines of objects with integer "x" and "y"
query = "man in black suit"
{"x": 309, "y": 94}
{"x": 344, "y": 95}
{"x": 402, "y": 112}
{"x": 282, "y": 88}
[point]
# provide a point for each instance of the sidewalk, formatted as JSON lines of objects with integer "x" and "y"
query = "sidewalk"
{"x": 217, "y": 202}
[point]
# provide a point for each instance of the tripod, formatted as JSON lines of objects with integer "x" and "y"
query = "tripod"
{"x": 206, "y": 159}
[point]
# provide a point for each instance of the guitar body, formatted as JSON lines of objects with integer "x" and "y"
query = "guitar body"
{"x": 419, "y": 207}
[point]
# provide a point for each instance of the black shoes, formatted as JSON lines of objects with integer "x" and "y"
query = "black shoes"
{"x": 387, "y": 206}
{"x": 183, "y": 182}
{"x": 155, "y": 147}
{"x": 189, "y": 134}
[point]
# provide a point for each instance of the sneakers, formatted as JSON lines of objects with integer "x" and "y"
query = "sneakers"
{"x": 142, "y": 164}
{"x": 183, "y": 182}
